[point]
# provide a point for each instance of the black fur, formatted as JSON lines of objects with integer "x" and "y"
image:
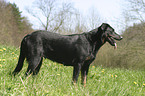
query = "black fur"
{"x": 77, "y": 50}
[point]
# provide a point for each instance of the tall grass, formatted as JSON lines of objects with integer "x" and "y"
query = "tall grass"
{"x": 55, "y": 80}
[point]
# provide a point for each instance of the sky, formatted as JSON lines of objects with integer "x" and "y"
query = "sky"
{"x": 109, "y": 10}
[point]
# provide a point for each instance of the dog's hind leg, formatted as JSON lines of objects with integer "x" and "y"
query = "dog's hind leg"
{"x": 34, "y": 62}
{"x": 38, "y": 67}
{"x": 76, "y": 72}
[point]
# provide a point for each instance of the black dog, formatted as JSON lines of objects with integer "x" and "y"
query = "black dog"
{"x": 77, "y": 50}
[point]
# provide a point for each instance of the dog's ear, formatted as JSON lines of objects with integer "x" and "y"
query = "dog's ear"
{"x": 104, "y": 26}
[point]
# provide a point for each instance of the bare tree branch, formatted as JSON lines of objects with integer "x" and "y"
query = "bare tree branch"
{"x": 51, "y": 15}
{"x": 136, "y": 9}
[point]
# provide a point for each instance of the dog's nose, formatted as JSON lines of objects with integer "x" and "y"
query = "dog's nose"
{"x": 121, "y": 37}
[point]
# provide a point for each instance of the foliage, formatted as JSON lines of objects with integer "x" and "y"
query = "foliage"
{"x": 13, "y": 26}
{"x": 17, "y": 16}
{"x": 55, "y": 80}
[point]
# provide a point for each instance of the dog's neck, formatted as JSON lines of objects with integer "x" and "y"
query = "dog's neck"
{"x": 95, "y": 36}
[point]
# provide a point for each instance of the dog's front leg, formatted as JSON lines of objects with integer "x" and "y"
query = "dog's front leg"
{"x": 84, "y": 73}
{"x": 76, "y": 72}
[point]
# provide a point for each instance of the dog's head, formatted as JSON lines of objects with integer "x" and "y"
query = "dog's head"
{"x": 109, "y": 34}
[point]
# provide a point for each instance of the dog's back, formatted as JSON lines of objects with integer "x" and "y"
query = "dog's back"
{"x": 59, "y": 48}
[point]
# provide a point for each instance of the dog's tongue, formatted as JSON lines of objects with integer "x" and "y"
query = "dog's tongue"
{"x": 115, "y": 47}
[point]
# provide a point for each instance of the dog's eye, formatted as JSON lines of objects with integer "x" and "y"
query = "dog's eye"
{"x": 109, "y": 32}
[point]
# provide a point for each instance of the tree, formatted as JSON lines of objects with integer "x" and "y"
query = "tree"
{"x": 94, "y": 18}
{"x": 12, "y": 24}
{"x": 87, "y": 22}
{"x": 51, "y": 14}
{"x": 17, "y": 16}
{"x": 135, "y": 11}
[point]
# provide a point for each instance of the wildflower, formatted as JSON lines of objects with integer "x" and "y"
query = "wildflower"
{"x": 12, "y": 53}
{"x": 93, "y": 66}
{"x": 54, "y": 63}
{"x": 0, "y": 65}
{"x": 102, "y": 71}
{"x": 135, "y": 83}
{"x": 58, "y": 74}
{"x": 4, "y": 49}
{"x": 112, "y": 75}
{"x": 2, "y": 59}
{"x": 1, "y": 50}
{"x": 14, "y": 58}
{"x": 143, "y": 84}
{"x": 115, "y": 75}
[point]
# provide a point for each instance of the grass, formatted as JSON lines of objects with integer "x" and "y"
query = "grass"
{"x": 55, "y": 79}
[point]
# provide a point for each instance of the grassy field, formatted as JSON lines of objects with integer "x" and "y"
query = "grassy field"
{"x": 55, "y": 80}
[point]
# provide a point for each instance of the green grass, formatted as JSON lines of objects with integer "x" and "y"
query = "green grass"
{"x": 55, "y": 80}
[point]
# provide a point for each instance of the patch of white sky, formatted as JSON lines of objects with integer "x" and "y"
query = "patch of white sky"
{"x": 109, "y": 10}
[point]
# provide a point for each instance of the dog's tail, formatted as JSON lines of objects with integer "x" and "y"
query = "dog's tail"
{"x": 22, "y": 56}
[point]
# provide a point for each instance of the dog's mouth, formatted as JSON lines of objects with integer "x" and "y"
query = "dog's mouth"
{"x": 112, "y": 42}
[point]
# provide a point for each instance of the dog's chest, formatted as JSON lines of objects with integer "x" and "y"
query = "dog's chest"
{"x": 91, "y": 54}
